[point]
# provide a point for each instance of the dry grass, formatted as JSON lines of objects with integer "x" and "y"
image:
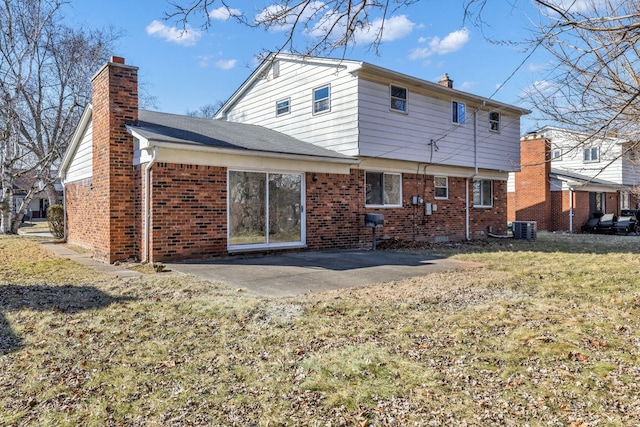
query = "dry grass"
{"x": 547, "y": 333}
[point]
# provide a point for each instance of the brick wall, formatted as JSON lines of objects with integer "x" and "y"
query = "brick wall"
{"x": 189, "y": 211}
{"x": 190, "y": 206}
{"x": 80, "y": 224}
{"x": 115, "y": 102}
{"x": 532, "y": 198}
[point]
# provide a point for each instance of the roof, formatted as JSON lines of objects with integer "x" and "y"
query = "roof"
{"x": 354, "y": 67}
{"x": 582, "y": 180}
{"x": 209, "y": 133}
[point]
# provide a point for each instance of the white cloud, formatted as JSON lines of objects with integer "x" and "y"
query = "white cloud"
{"x": 279, "y": 18}
{"x": 436, "y": 46}
{"x": 538, "y": 87}
{"x": 582, "y": 6}
{"x": 394, "y": 28}
{"x": 226, "y": 64}
{"x": 223, "y": 13}
{"x": 204, "y": 60}
{"x": 468, "y": 86}
{"x": 186, "y": 37}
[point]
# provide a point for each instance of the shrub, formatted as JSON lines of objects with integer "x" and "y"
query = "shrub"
{"x": 55, "y": 216}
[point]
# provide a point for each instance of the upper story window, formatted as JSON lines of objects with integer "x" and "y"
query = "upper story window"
{"x": 591, "y": 154}
{"x": 283, "y": 107}
{"x": 398, "y": 98}
{"x": 494, "y": 121}
{"x": 383, "y": 189}
{"x": 556, "y": 154}
{"x": 321, "y": 99}
{"x": 458, "y": 112}
{"x": 483, "y": 193}
{"x": 441, "y": 187}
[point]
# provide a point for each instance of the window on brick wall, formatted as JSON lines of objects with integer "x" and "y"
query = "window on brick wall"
{"x": 625, "y": 200}
{"x": 482, "y": 193}
{"x": 441, "y": 187}
{"x": 383, "y": 189}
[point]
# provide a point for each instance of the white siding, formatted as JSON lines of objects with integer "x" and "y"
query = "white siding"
{"x": 336, "y": 129}
{"x": 81, "y": 166}
{"x": 426, "y": 134}
{"x": 612, "y": 166}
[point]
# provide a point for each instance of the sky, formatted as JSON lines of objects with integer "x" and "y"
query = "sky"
{"x": 184, "y": 71}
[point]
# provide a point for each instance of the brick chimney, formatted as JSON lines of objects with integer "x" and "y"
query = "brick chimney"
{"x": 446, "y": 81}
{"x": 115, "y": 103}
{"x": 533, "y": 192}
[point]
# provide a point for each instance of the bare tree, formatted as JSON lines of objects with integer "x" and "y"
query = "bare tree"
{"x": 44, "y": 73}
{"x": 312, "y": 27}
{"x": 207, "y": 111}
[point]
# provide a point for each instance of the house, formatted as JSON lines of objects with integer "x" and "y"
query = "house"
{"x": 566, "y": 177}
{"x": 298, "y": 155}
{"x": 39, "y": 203}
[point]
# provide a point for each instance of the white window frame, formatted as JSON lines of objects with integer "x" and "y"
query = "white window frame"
{"x": 625, "y": 200}
{"x": 494, "y": 124}
{"x": 278, "y": 108}
{"x": 483, "y": 197}
{"x": 383, "y": 205}
{"x": 456, "y": 108}
{"x": 556, "y": 154}
{"x": 588, "y": 155}
{"x": 318, "y": 102}
{"x": 436, "y": 187}
{"x": 392, "y": 99}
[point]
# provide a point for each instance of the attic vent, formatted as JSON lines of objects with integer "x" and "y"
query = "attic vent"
{"x": 276, "y": 68}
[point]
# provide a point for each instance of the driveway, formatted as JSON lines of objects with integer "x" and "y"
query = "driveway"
{"x": 299, "y": 273}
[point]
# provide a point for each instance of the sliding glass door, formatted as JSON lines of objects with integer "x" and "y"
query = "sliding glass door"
{"x": 265, "y": 209}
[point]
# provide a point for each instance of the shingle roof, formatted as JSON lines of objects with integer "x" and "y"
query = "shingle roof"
{"x": 174, "y": 128}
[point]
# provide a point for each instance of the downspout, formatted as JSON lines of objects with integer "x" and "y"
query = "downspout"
{"x": 475, "y": 172}
{"x": 64, "y": 205}
{"x": 147, "y": 202}
{"x": 570, "y": 210}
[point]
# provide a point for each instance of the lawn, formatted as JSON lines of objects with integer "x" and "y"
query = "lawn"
{"x": 546, "y": 333}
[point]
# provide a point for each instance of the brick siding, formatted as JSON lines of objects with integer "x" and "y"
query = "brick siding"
{"x": 189, "y": 219}
{"x": 532, "y": 198}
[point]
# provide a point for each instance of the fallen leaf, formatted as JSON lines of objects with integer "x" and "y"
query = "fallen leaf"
{"x": 580, "y": 357}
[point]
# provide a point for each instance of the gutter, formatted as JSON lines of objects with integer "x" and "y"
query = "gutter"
{"x": 147, "y": 202}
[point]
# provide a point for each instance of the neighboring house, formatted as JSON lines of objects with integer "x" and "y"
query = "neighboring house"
{"x": 566, "y": 177}
{"x": 306, "y": 148}
{"x": 40, "y": 202}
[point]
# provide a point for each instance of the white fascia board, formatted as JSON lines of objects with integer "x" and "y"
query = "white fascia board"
{"x": 75, "y": 141}
{"x": 171, "y": 152}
